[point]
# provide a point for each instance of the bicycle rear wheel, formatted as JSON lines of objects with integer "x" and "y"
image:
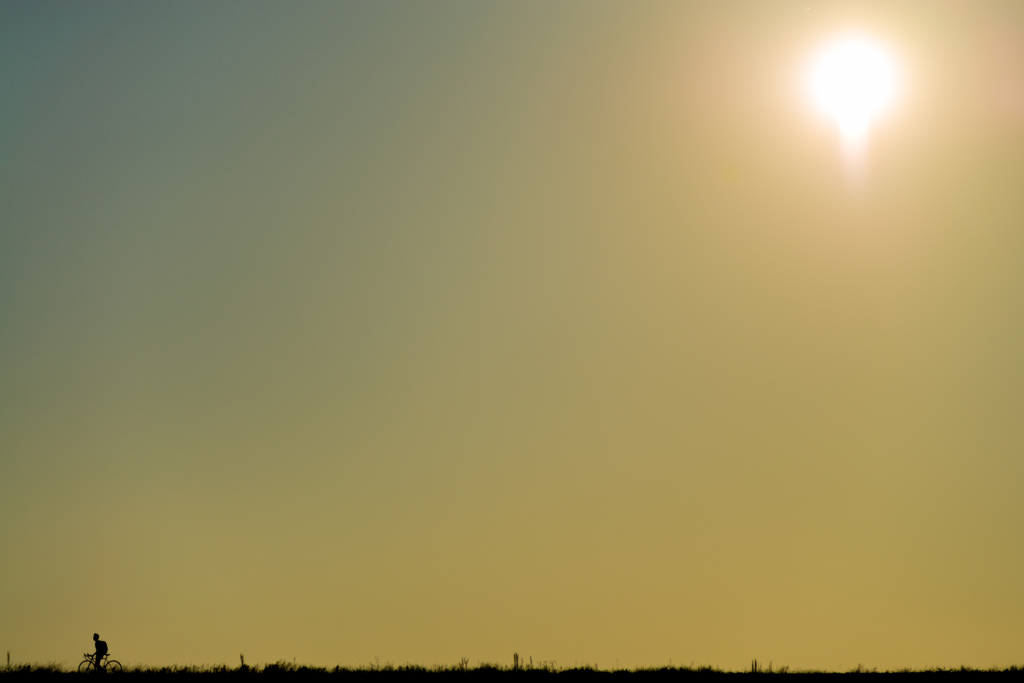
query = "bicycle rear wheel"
{"x": 112, "y": 666}
{"x": 86, "y": 666}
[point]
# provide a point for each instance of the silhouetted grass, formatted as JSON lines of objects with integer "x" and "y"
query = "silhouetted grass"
{"x": 518, "y": 670}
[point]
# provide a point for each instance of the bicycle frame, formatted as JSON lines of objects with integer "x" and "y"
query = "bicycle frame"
{"x": 102, "y": 664}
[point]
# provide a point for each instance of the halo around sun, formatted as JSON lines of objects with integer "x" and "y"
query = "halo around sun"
{"x": 854, "y": 80}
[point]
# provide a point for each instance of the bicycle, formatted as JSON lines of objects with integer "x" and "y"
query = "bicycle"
{"x": 105, "y": 664}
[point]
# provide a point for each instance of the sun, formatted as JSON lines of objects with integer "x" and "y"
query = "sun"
{"x": 854, "y": 80}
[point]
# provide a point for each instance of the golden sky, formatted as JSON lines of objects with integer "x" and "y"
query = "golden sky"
{"x": 429, "y": 330}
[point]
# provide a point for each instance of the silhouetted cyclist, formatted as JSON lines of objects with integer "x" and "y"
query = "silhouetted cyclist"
{"x": 101, "y": 650}
{"x": 100, "y": 661}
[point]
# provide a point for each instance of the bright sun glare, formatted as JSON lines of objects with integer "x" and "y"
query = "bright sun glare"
{"x": 854, "y": 80}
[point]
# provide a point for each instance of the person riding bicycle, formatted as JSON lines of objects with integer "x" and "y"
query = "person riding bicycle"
{"x": 99, "y": 662}
{"x": 101, "y": 649}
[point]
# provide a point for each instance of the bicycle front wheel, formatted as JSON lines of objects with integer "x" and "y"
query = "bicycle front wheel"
{"x": 113, "y": 666}
{"x": 86, "y": 666}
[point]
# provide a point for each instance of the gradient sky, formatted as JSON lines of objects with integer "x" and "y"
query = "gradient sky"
{"x": 429, "y": 330}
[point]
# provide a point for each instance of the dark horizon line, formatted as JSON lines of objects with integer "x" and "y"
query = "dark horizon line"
{"x": 485, "y": 668}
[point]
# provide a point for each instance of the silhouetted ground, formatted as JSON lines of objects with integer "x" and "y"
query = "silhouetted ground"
{"x": 378, "y": 674}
